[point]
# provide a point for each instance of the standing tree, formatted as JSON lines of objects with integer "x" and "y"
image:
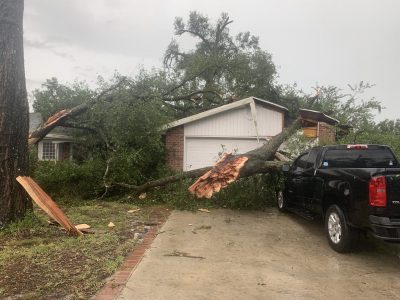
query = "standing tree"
{"x": 14, "y": 112}
{"x": 220, "y": 68}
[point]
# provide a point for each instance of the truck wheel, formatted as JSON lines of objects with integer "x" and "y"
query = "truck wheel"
{"x": 281, "y": 202}
{"x": 340, "y": 234}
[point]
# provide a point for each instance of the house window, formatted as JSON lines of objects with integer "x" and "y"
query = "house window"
{"x": 49, "y": 151}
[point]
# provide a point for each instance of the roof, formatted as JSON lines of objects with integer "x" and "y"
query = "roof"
{"x": 318, "y": 116}
{"x": 224, "y": 108}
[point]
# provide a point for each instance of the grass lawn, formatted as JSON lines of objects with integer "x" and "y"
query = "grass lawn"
{"x": 38, "y": 261}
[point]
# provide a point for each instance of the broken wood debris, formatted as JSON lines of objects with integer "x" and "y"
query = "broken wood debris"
{"x": 111, "y": 225}
{"x": 203, "y": 210}
{"x": 225, "y": 171}
{"x": 82, "y": 226}
{"x": 134, "y": 210}
{"x": 47, "y": 204}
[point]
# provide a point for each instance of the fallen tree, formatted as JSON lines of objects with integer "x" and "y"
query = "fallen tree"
{"x": 61, "y": 117}
{"x": 228, "y": 169}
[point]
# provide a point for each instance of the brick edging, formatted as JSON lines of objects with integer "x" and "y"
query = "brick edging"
{"x": 118, "y": 280}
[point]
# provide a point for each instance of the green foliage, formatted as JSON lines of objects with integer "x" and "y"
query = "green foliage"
{"x": 220, "y": 68}
{"x": 68, "y": 178}
{"x": 257, "y": 192}
{"x": 386, "y": 132}
{"x": 53, "y": 96}
{"x": 122, "y": 130}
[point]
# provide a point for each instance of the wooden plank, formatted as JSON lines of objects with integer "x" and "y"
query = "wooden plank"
{"x": 56, "y": 211}
{"x": 47, "y": 204}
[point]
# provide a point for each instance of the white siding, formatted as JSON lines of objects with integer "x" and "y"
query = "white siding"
{"x": 270, "y": 122}
{"x": 237, "y": 123}
{"x": 230, "y": 131}
{"x": 203, "y": 152}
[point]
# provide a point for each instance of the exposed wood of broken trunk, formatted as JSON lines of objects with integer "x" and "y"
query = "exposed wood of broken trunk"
{"x": 55, "y": 120}
{"x": 230, "y": 167}
{"x": 47, "y": 204}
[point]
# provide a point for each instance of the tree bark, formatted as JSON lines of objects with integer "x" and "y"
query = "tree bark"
{"x": 14, "y": 112}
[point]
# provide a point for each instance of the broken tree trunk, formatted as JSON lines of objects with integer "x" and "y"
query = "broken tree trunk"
{"x": 59, "y": 118}
{"x": 232, "y": 167}
{"x": 55, "y": 120}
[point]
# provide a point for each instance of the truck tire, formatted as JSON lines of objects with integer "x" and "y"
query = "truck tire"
{"x": 281, "y": 201}
{"x": 340, "y": 234}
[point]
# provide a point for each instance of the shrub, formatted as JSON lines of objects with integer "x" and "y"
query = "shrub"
{"x": 68, "y": 178}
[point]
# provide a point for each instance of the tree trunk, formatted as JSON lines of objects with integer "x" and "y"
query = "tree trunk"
{"x": 228, "y": 168}
{"x": 14, "y": 112}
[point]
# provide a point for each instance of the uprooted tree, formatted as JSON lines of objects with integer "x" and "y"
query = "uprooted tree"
{"x": 13, "y": 112}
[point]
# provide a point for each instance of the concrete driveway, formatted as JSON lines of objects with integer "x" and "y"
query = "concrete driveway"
{"x": 258, "y": 255}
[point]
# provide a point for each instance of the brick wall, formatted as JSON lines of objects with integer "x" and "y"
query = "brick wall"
{"x": 174, "y": 145}
{"x": 327, "y": 133}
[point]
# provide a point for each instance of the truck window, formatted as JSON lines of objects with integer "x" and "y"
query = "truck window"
{"x": 363, "y": 158}
{"x": 301, "y": 163}
{"x": 312, "y": 157}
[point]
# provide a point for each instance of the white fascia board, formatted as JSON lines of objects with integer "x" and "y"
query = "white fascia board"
{"x": 271, "y": 104}
{"x": 221, "y": 109}
{"x": 209, "y": 113}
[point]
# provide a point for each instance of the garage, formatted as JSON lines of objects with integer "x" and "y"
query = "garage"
{"x": 200, "y": 152}
{"x": 197, "y": 141}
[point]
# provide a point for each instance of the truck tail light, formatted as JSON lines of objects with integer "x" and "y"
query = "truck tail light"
{"x": 377, "y": 191}
{"x": 357, "y": 147}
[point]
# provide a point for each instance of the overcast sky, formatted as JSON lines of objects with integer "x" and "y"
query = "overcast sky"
{"x": 311, "y": 41}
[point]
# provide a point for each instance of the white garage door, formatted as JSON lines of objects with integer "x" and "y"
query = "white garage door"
{"x": 203, "y": 152}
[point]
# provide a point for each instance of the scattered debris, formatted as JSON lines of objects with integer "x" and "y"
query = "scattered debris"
{"x": 228, "y": 220}
{"x": 203, "y": 227}
{"x": 151, "y": 223}
{"x": 111, "y": 225}
{"x": 47, "y": 204}
{"x": 142, "y": 196}
{"x": 53, "y": 223}
{"x": 183, "y": 254}
{"x": 82, "y": 226}
{"x": 261, "y": 283}
{"x": 134, "y": 210}
{"x": 137, "y": 236}
{"x": 203, "y": 210}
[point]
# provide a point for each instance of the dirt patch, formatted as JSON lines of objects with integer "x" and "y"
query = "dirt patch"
{"x": 39, "y": 261}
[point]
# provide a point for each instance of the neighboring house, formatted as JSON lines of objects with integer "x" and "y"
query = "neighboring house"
{"x": 57, "y": 145}
{"x": 319, "y": 126}
{"x": 198, "y": 140}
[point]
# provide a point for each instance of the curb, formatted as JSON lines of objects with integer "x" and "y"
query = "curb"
{"x": 116, "y": 282}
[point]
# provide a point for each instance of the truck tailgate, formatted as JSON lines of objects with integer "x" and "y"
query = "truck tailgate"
{"x": 392, "y": 193}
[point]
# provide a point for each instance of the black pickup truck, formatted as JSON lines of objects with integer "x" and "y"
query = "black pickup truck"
{"x": 355, "y": 188}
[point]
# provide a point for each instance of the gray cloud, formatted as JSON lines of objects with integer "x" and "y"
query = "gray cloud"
{"x": 313, "y": 41}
